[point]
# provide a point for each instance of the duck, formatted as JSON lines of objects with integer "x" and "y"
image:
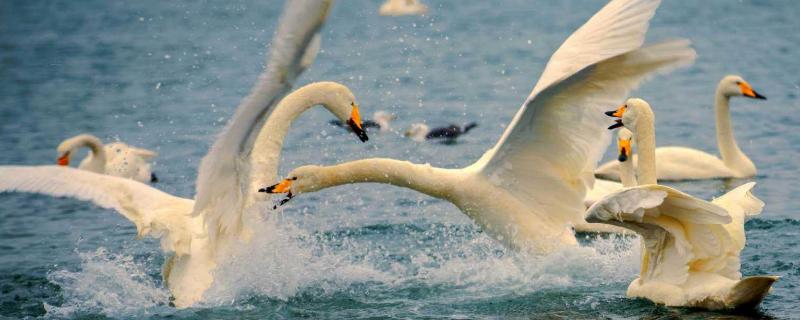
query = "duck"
{"x": 682, "y": 163}
{"x": 527, "y": 191}
{"x": 690, "y": 247}
{"x": 420, "y": 132}
{"x": 381, "y": 120}
{"x": 116, "y": 159}
{"x": 402, "y": 8}
{"x": 198, "y": 234}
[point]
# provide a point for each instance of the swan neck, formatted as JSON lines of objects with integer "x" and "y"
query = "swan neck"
{"x": 424, "y": 178}
{"x": 627, "y": 174}
{"x": 98, "y": 153}
{"x": 646, "y": 148}
{"x": 269, "y": 141}
{"x": 726, "y": 142}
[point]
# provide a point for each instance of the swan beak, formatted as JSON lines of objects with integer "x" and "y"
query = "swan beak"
{"x": 356, "y": 125}
{"x": 624, "y": 146}
{"x": 63, "y": 160}
{"x": 617, "y": 113}
{"x": 617, "y": 124}
{"x": 281, "y": 187}
{"x": 748, "y": 91}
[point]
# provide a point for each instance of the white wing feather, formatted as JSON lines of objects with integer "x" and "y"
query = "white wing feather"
{"x": 680, "y": 232}
{"x": 153, "y": 212}
{"x": 547, "y": 155}
{"x": 224, "y": 172}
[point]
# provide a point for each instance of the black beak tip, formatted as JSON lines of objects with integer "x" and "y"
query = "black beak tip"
{"x": 362, "y": 136}
{"x": 617, "y": 124}
{"x": 153, "y": 178}
{"x": 759, "y": 96}
{"x": 268, "y": 189}
{"x": 610, "y": 113}
{"x": 623, "y": 157}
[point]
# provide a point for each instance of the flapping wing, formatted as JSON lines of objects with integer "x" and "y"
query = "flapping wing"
{"x": 548, "y": 154}
{"x": 152, "y": 211}
{"x": 223, "y": 172}
{"x": 680, "y": 232}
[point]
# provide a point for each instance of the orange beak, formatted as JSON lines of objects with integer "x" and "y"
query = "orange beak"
{"x": 748, "y": 91}
{"x": 624, "y": 146}
{"x": 356, "y": 125}
{"x": 281, "y": 187}
{"x": 617, "y": 113}
{"x": 63, "y": 160}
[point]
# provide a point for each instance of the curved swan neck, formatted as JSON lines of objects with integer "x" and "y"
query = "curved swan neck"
{"x": 269, "y": 141}
{"x": 97, "y": 158}
{"x": 646, "y": 146}
{"x": 726, "y": 142}
{"x": 435, "y": 182}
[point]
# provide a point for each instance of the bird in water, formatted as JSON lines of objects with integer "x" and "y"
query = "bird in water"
{"x": 421, "y": 132}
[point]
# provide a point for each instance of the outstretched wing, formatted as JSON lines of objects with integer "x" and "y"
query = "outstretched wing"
{"x": 223, "y": 171}
{"x": 680, "y": 232}
{"x": 152, "y": 211}
{"x": 547, "y": 154}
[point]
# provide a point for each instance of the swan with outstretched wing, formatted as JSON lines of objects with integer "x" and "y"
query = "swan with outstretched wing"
{"x": 528, "y": 190}
{"x": 199, "y": 231}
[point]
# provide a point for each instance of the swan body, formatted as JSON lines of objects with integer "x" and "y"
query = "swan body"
{"x": 681, "y": 163}
{"x": 198, "y": 237}
{"x": 527, "y": 191}
{"x": 691, "y": 247}
{"x": 402, "y": 8}
{"x": 116, "y": 159}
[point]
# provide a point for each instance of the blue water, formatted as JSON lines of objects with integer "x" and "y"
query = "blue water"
{"x": 166, "y": 75}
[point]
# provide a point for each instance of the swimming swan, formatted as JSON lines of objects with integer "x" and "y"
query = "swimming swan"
{"x": 691, "y": 247}
{"x": 402, "y": 8}
{"x": 528, "y": 190}
{"x": 681, "y": 163}
{"x": 200, "y": 231}
{"x": 116, "y": 159}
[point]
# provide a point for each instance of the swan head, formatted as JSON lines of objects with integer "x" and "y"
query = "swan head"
{"x": 417, "y": 131}
{"x": 340, "y": 101}
{"x": 69, "y": 146}
{"x": 624, "y": 137}
{"x": 630, "y": 114}
{"x": 735, "y": 86}
{"x": 300, "y": 180}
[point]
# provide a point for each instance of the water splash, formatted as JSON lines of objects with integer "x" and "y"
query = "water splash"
{"x": 109, "y": 284}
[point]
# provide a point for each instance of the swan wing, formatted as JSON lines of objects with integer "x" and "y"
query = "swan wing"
{"x": 680, "y": 232}
{"x": 547, "y": 155}
{"x": 224, "y": 172}
{"x": 152, "y": 211}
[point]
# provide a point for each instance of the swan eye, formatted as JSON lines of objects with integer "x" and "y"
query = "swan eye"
{"x": 294, "y": 178}
{"x": 738, "y": 83}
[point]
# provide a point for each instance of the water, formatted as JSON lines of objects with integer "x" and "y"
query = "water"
{"x": 167, "y": 75}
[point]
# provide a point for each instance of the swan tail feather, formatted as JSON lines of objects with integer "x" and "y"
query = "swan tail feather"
{"x": 749, "y": 292}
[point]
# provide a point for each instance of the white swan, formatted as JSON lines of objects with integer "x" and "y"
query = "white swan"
{"x": 528, "y": 190}
{"x": 603, "y": 187}
{"x": 402, "y": 8}
{"x": 200, "y": 240}
{"x": 681, "y": 163}
{"x": 690, "y": 256}
{"x": 116, "y": 159}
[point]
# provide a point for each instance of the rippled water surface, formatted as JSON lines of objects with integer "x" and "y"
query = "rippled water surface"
{"x": 166, "y": 75}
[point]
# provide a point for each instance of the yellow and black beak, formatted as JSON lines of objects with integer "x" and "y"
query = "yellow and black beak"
{"x": 63, "y": 160}
{"x": 284, "y": 186}
{"x": 748, "y": 91}
{"x": 356, "y": 125}
{"x": 624, "y": 146}
{"x": 617, "y": 114}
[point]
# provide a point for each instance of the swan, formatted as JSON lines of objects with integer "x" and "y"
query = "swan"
{"x": 116, "y": 159}
{"x": 420, "y": 132}
{"x": 380, "y": 119}
{"x": 691, "y": 247}
{"x": 527, "y": 191}
{"x": 402, "y": 8}
{"x": 199, "y": 232}
{"x": 681, "y": 163}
